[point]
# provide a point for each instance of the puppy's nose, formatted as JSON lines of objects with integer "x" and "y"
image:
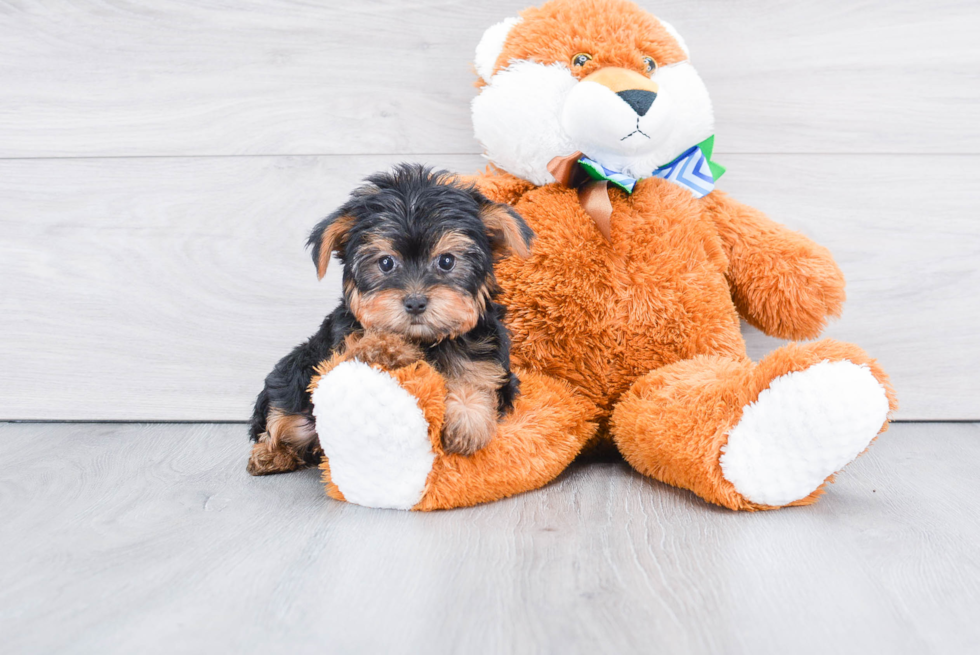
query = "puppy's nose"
{"x": 638, "y": 99}
{"x": 415, "y": 304}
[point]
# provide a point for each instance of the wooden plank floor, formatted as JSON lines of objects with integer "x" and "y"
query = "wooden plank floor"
{"x": 122, "y": 538}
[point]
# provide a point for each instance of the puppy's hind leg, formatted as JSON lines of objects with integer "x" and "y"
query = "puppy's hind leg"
{"x": 289, "y": 443}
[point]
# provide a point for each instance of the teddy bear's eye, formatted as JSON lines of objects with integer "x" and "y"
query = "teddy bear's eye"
{"x": 651, "y": 64}
{"x": 581, "y": 59}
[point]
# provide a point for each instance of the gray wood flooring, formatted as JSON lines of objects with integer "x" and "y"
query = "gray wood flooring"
{"x": 126, "y": 538}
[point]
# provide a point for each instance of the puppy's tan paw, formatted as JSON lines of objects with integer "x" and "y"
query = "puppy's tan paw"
{"x": 391, "y": 351}
{"x": 470, "y": 423}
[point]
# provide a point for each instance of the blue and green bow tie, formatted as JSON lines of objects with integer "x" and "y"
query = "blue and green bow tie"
{"x": 692, "y": 169}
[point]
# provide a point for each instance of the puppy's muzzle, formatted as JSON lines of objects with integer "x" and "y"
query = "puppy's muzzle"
{"x": 634, "y": 89}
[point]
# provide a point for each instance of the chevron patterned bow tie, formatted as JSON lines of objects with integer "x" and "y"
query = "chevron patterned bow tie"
{"x": 692, "y": 169}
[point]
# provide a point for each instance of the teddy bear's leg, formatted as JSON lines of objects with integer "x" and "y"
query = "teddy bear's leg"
{"x": 380, "y": 433}
{"x": 755, "y": 436}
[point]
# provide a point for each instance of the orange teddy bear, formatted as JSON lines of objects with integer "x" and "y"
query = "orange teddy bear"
{"x": 625, "y": 319}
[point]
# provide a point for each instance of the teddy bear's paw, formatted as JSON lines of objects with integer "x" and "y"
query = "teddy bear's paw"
{"x": 804, "y": 427}
{"x": 374, "y": 436}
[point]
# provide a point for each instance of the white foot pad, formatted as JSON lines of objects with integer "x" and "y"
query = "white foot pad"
{"x": 375, "y": 436}
{"x": 804, "y": 427}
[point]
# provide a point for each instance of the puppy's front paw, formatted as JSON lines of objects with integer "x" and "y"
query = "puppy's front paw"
{"x": 390, "y": 351}
{"x": 470, "y": 423}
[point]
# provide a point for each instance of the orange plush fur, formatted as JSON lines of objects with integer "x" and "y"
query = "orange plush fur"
{"x": 634, "y": 338}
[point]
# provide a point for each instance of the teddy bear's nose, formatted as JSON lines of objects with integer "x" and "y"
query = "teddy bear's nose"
{"x": 639, "y": 100}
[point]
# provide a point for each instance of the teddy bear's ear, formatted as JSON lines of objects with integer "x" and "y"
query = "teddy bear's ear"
{"x": 677, "y": 36}
{"x": 490, "y": 47}
{"x": 509, "y": 234}
{"x": 329, "y": 235}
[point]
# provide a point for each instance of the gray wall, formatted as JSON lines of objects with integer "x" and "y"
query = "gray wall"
{"x": 161, "y": 163}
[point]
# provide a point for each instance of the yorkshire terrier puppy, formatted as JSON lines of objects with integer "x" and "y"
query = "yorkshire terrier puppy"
{"x": 418, "y": 250}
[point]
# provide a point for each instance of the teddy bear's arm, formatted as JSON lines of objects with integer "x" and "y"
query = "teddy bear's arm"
{"x": 782, "y": 282}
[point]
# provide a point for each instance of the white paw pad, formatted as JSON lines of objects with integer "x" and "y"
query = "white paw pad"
{"x": 375, "y": 436}
{"x": 806, "y": 426}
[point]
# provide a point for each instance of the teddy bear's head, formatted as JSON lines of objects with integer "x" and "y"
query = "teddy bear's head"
{"x": 602, "y": 77}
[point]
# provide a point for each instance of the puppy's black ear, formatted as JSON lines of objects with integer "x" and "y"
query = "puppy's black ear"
{"x": 329, "y": 235}
{"x": 509, "y": 234}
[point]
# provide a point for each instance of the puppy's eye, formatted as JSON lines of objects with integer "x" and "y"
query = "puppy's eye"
{"x": 447, "y": 262}
{"x": 581, "y": 59}
{"x": 386, "y": 263}
{"x": 651, "y": 64}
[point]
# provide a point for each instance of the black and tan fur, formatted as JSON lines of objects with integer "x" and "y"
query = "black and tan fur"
{"x": 417, "y": 221}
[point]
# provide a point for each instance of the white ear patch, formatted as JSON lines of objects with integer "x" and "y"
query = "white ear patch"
{"x": 491, "y": 45}
{"x": 677, "y": 36}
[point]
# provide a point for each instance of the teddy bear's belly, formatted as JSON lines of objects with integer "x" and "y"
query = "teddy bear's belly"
{"x": 601, "y": 315}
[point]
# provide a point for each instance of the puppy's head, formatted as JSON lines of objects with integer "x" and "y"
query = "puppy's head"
{"x": 418, "y": 250}
{"x": 603, "y": 77}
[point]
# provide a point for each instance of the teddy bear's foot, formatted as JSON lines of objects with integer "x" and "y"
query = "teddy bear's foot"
{"x": 381, "y": 437}
{"x": 755, "y": 436}
{"x": 374, "y": 436}
{"x": 804, "y": 427}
